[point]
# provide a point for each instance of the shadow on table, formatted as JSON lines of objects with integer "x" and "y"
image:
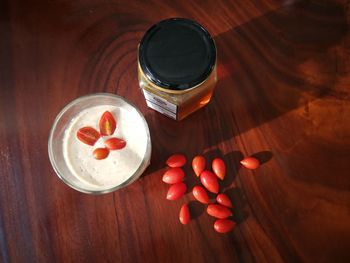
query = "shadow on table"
{"x": 267, "y": 67}
{"x": 274, "y": 64}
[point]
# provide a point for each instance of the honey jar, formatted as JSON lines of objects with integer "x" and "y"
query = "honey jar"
{"x": 177, "y": 67}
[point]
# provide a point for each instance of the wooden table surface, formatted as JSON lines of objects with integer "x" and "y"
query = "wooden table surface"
{"x": 282, "y": 95}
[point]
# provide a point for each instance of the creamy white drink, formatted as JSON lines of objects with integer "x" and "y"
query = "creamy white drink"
{"x": 121, "y": 164}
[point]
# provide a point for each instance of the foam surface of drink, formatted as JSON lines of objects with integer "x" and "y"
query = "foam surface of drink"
{"x": 120, "y": 165}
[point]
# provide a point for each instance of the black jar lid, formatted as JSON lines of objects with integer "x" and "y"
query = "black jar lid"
{"x": 177, "y": 54}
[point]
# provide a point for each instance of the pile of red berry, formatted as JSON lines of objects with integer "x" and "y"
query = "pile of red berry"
{"x": 221, "y": 210}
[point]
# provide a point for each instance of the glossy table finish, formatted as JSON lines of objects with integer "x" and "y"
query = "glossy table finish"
{"x": 282, "y": 95}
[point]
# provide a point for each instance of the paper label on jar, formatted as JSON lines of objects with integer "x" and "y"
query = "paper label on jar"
{"x": 161, "y": 105}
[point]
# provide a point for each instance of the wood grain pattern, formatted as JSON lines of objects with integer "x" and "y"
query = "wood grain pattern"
{"x": 283, "y": 95}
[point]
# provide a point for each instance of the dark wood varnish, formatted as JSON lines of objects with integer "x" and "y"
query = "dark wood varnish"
{"x": 282, "y": 95}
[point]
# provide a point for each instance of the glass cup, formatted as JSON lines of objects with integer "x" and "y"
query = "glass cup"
{"x": 59, "y": 128}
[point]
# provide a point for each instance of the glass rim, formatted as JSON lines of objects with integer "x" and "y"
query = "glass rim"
{"x": 132, "y": 178}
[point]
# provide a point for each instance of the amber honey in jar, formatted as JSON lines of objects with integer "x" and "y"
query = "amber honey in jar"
{"x": 177, "y": 67}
